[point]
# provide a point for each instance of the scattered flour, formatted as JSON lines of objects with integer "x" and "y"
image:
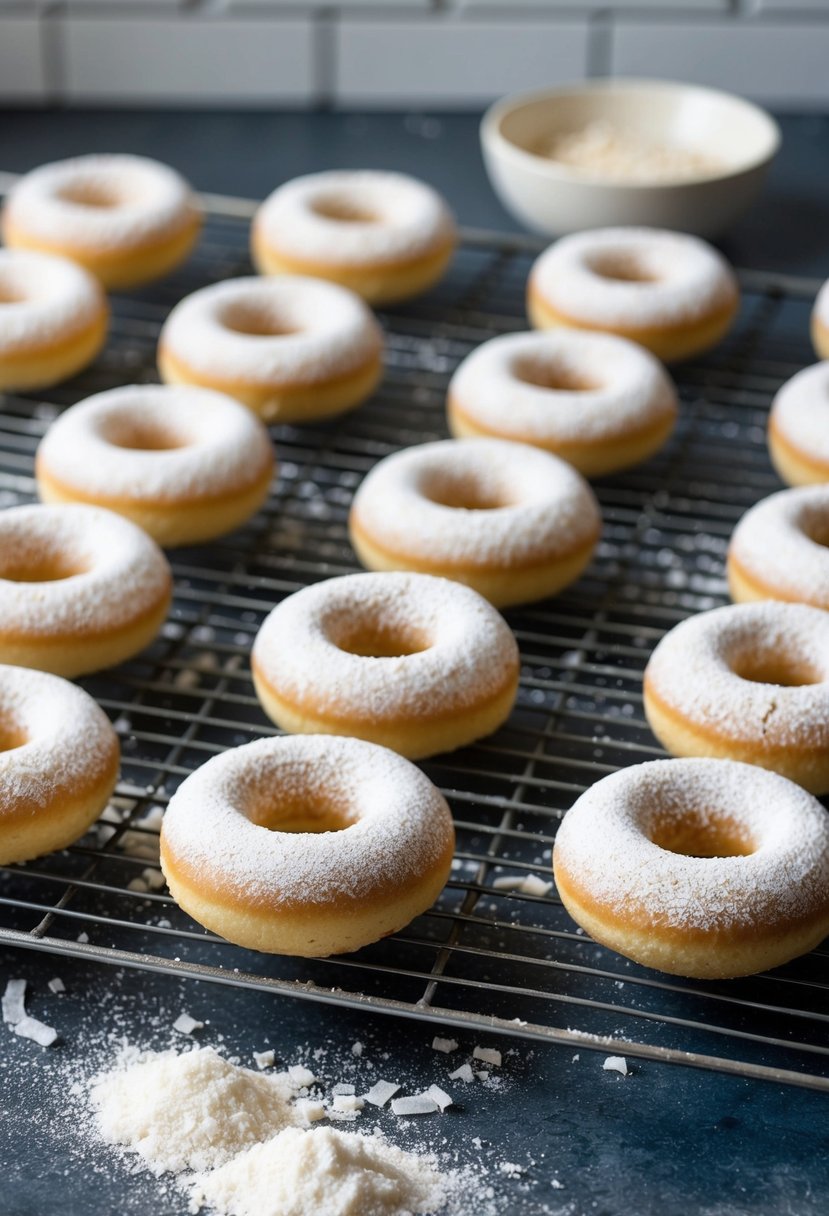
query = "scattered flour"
{"x": 303, "y": 1173}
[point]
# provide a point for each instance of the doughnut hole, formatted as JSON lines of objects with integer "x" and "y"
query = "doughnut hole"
{"x": 33, "y": 567}
{"x": 12, "y": 734}
{"x": 815, "y": 525}
{"x": 98, "y": 194}
{"x": 555, "y": 374}
{"x": 464, "y": 491}
{"x": 256, "y": 319}
{"x": 623, "y": 266}
{"x": 784, "y": 670}
{"x": 142, "y": 434}
{"x": 302, "y": 810}
{"x": 11, "y": 294}
{"x": 702, "y": 834}
{"x": 379, "y": 639}
{"x": 344, "y": 210}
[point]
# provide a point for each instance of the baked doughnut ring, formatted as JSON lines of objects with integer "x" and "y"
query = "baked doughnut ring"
{"x": 514, "y": 523}
{"x": 778, "y": 550}
{"x": 703, "y": 868}
{"x": 417, "y": 664}
{"x": 598, "y": 402}
{"x": 126, "y": 219}
{"x": 798, "y": 433}
{"x": 748, "y": 682}
{"x": 820, "y": 323}
{"x": 291, "y": 349}
{"x": 385, "y": 236}
{"x": 185, "y": 464}
{"x": 80, "y": 588}
{"x": 58, "y": 763}
{"x": 306, "y": 845}
{"x": 668, "y": 291}
{"x": 53, "y": 319}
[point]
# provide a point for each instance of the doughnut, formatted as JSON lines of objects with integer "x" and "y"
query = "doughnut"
{"x": 798, "y": 432}
{"x": 598, "y": 402}
{"x": 778, "y": 550}
{"x": 514, "y": 523}
{"x": 53, "y": 319}
{"x": 80, "y": 588}
{"x": 126, "y": 219}
{"x": 58, "y": 763}
{"x": 670, "y": 292}
{"x": 747, "y": 682}
{"x": 704, "y": 868}
{"x": 385, "y": 236}
{"x": 185, "y": 464}
{"x": 291, "y": 349}
{"x": 820, "y": 322}
{"x": 308, "y": 845}
{"x": 417, "y": 664}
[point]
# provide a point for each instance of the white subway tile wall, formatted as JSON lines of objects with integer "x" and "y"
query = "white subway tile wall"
{"x": 174, "y": 60}
{"x": 387, "y": 53}
{"x": 442, "y": 63}
{"x": 22, "y": 75}
{"x": 780, "y": 63}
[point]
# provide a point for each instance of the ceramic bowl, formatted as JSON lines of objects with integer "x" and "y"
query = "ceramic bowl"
{"x": 738, "y": 138}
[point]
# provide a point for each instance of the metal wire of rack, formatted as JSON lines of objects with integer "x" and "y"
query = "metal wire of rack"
{"x": 484, "y": 957}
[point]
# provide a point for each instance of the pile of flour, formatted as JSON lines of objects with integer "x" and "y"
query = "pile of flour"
{"x": 234, "y": 1138}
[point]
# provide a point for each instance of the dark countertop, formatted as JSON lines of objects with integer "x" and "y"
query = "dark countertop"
{"x": 662, "y": 1141}
{"x": 249, "y": 153}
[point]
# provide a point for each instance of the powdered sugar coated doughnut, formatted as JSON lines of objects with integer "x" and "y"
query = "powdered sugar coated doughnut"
{"x": 697, "y": 867}
{"x": 53, "y": 319}
{"x": 671, "y": 292}
{"x": 599, "y": 402}
{"x": 417, "y": 664}
{"x": 510, "y": 521}
{"x": 748, "y": 682}
{"x": 306, "y": 845}
{"x": 799, "y": 427}
{"x": 778, "y": 549}
{"x": 127, "y": 219}
{"x": 290, "y": 348}
{"x": 58, "y": 763}
{"x": 80, "y": 588}
{"x": 820, "y": 322}
{"x": 384, "y": 235}
{"x": 185, "y": 464}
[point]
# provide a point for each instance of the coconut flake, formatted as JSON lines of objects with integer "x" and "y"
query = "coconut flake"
{"x": 418, "y": 1104}
{"x": 38, "y": 1032}
{"x": 380, "y": 1092}
{"x": 616, "y": 1064}
{"x": 14, "y": 1002}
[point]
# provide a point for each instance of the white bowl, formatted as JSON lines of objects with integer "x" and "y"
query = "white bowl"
{"x": 554, "y": 198}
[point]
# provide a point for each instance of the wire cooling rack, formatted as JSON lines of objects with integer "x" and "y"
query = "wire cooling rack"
{"x": 484, "y": 957}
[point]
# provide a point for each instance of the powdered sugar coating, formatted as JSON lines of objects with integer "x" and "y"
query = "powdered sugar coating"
{"x": 310, "y": 331}
{"x": 398, "y": 823}
{"x": 800, "y": 412}
{"x": 113, "y": 572}
{"x": 606, "y": 844}
{"x": 43, "y": 300}
{"x": 349, "y": 218}
{"x": 469, "y": 652}
{"x": 694, "y": 671}
{"x": 780, "y": 543}
{"x": 548, "y": 508}
{"x": 223, "y": 446}
{"x": 500, "y": 386}
{"x": 131, "y": 201}
{"x": 65, "y": 736}
{"x": 683, "y": 278}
